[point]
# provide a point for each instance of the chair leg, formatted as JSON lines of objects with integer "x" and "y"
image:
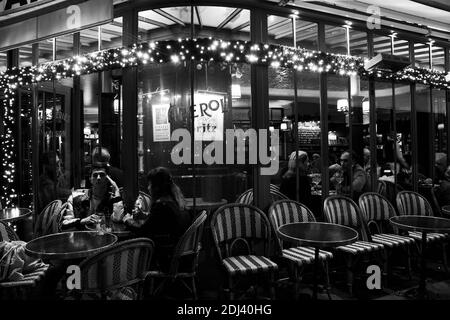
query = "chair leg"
{"x": 194, "y": 289}
{"x": 272, "y": 285}
{"x": 408, "y": 262}
{"x": 327, "y": 278}
{"x": 349, "y": 262}
{"x": 386, "y": 265}
{"x": 444, "y": 256}
{"x": 230, "y": 288}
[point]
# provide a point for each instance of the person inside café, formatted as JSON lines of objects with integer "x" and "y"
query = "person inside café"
{"x": 289, "y": 181}
{"x": 53, "y": 182}
{"x": 359, "y": 180}
{"x": 443, "y": 192}
{"x": 168, "y": 219}
{"x": 84, "y": 208}
{"x": 316, "y": 163}
{"x": 101, "y": 154}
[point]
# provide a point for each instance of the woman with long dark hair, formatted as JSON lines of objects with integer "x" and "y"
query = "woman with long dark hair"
{"x": 167, "y": 220}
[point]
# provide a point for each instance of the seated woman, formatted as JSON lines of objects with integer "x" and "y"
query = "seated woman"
{"x": 289, "y": 179}
{"x": 103, "y": 197}
{"x": 167, "y": 220}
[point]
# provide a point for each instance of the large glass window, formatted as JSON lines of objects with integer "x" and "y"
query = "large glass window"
{"x": 174, "y": 23}
{"x": 382, "y": 44}
{"x": 422, "y": 55}
{"x": 336, "y": 39}
{"x": 54, "y": 119}
{"x": 3, "y": 62}
{"x": 25, "y": 56}
{"x": 222, "y": 100}
{"x": 440, "y": 133}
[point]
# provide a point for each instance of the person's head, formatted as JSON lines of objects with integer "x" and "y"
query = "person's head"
{"x": 366, "y": 155}
{"x": 100, "y": 154}
{"x": 160, "y": 184}
{"x": 302, "y": 161}
{"x": 347, "y": 160}
{"x": 99, "y": 180}
{"x": 447, "y": 173}
{"x": 316, "y": 156}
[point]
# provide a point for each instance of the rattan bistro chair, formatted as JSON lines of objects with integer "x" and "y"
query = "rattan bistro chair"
{"x": 187, "y": 249}
{"x": 344, "y": 211}
{"x": 242, "y": 236}
{"x": 412, "y": 203}
{"x": 120, "y": 266}
{"x": 377, "y": 211}
{"x": 7, "y": 233}
{"x": 45, "y": 221}
{"x": 288, "y": 211}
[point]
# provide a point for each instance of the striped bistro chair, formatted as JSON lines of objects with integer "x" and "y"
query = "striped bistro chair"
{"x": 188, "y": 247}
{"x": 7, "y": 233}
{"x": 377, "y": 211}
{"x": 242, "y": 236}
{"x": 344, "y": 211}
{"x": 45, "y": 221}
{"x": 381, "y": 189}
{"x": 412, "y": 203}
{"x": 247, "y": 196}
{"x": 116, "y": 268}
{"x": 288, "y": 211}
{"x": 274, "y": 187}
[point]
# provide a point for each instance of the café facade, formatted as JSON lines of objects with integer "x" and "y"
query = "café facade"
{"x": 131, "y": 75}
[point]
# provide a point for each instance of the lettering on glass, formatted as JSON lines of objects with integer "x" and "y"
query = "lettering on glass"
{"x": 74, "y": 279}
{"x": 74, "y": 18}
{"x": 374, "y": 280}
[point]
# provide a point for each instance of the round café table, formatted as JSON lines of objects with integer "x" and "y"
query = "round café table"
{"x": 14, "y": 214}
{"x": 118, "y": 229}
{"x": 424, "y": 224}
{"x": 69, "y": 245}
{"x": 318, "y": 235}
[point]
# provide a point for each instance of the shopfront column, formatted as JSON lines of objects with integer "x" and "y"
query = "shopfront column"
{"x": 129, "y": 153}
{"x": 260, "y": 104}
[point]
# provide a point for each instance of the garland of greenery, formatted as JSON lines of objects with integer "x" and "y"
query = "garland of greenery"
{"x": 182, "y": 51}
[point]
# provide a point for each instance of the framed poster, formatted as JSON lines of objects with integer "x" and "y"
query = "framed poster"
{"x": 161, "y": 125}
{"x": 208, "y": 116}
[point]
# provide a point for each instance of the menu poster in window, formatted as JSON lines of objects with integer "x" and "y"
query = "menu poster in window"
{"x": 161, "y": 125}
{"x": 208, "y": 116}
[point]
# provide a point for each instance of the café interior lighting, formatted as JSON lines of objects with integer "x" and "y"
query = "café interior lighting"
{"x": 342, "y": 105}
{"x": 236, "y": 91}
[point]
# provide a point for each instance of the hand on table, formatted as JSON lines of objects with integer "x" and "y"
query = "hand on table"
{"x": 92, "y": 219}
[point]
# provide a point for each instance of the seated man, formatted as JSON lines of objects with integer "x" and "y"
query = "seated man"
{"x": 359, "y": 180}
{"x": 443, "y": 193}
{"x": 103, "y": 197}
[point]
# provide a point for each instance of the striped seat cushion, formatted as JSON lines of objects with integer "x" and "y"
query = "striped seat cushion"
{"x": 392, "y": 240}
{"x": 304, "y": 255}
{"x": 360, "y": 247}
{"x": 249, "y": 264}
{"x": 431, "y": 237}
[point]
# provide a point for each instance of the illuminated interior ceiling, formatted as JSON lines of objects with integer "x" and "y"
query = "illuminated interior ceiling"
{"x": 429, "y": 18}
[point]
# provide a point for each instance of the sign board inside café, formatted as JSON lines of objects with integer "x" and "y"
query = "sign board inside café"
{"x": 68, "y": 19}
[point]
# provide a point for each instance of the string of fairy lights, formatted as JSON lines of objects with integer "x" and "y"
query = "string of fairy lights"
{"x": 182, "y": 51}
